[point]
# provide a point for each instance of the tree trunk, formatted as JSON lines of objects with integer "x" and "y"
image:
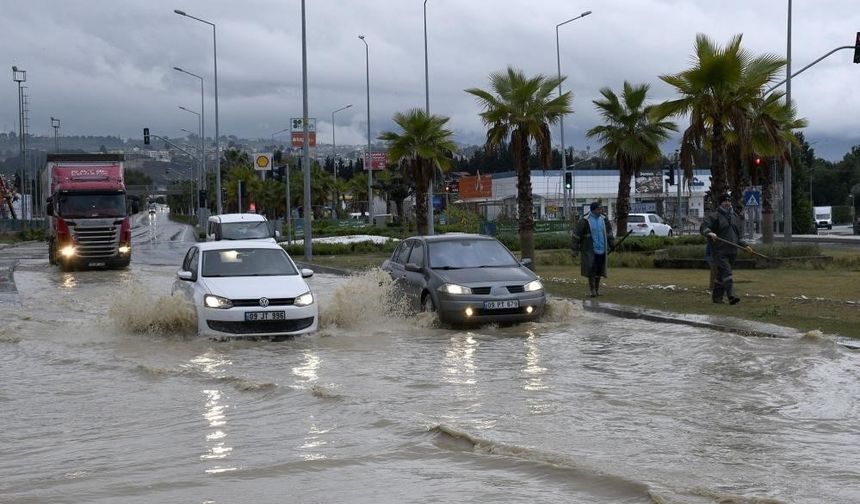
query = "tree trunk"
{"x": 767, "y": 208}
{"x": 622, "y": 206}
{"x": 719, "y": 175}
{"x": 420, "y": 197}
{"x": 524, "y": 207}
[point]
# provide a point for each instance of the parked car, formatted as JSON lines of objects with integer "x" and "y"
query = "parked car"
{"x": 465, "y": 279}
{"x": 240, "y": 226}
{"x": 645, "y": 224}
{"x": 248, "y": 288}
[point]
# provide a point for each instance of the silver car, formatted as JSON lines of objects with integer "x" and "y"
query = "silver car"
{"x": 466, "y": 279}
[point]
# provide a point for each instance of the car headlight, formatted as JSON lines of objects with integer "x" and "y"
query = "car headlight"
{"x": 305, "y": 299}
{"x": 532, "y": 286}
{"x": 455, "y": 289}
{"x": 212, "y": 301}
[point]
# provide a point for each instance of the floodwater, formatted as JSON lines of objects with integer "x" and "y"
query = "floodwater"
{"x": 107, "y": 396}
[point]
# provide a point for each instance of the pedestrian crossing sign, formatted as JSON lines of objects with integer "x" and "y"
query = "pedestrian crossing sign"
{"x": 752, "y": 198}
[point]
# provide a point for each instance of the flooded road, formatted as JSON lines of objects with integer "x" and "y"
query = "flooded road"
{"x": 106, "y": 396}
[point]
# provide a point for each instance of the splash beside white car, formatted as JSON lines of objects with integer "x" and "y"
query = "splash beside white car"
{"x": 246, "y": 289}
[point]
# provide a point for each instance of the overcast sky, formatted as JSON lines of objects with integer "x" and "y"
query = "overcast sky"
{"x": 104, "y": 67}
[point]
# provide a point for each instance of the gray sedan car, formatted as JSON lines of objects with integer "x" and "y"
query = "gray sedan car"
{"x": 466, "y": 279}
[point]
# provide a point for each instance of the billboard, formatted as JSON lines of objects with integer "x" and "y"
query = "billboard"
{"x": 380, "y": 159}
{"x": 297, "y": 132}
{"x": 479, "y": 186}
{"x": 263, "y": 161}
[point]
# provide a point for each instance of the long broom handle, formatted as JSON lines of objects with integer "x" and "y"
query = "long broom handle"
{"x": 742, "y": 248}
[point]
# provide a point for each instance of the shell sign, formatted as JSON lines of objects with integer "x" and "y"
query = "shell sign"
{"x": 262, "y": 161}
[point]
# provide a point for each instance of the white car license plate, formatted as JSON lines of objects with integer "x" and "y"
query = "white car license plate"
{"x": 95, "y": 264}
{"x": 253, "y": 316}
{"x": 499, "y": 305}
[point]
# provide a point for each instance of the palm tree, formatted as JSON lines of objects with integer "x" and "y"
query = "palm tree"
{"x": 717, "y": 93}
{"x": 770, "y": 133}
{"x": 424, "y": 146}
{"x": 523, "y": 108}
{"x": 631, "y": 136}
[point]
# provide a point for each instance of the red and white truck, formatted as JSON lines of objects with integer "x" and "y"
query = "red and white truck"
{"x": 88, "y": 221}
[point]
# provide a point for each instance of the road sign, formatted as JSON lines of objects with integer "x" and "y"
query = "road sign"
{"x": 380, "y": 159}
{"x": 262, "y": 161}
{"x": 297, "y": 124}
{"x": 752, "y": 198}
{"x": 297, "y": 139}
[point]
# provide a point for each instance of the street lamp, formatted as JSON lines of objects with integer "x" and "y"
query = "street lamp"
{"x": 217, "y": 137}
{"x": 199, "y": 133}
{"x": 369, "y": 151}
{"x": 786, "y": 168}
{"x": 334, "y": 155}
{"x": 20, "y": 76}
{"x": 55, "y": 123}
{"x": 430, "y": 225}
{"x": 202, "y": 177}
{"x": 561, "y": 121}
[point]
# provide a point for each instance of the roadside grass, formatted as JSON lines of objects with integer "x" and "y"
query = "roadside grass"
{"x": 826, "y": 298}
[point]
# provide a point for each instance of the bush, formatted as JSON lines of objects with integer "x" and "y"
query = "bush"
{"x": 32, "y": 234}
{"x": 364, "y": 247}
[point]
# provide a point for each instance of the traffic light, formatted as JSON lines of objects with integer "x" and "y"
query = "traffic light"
{"x": 857, "y": 49}
{"x": 146, "y": 136}
{"x": 670, "y": 175}
{"x": 568, "y": 180}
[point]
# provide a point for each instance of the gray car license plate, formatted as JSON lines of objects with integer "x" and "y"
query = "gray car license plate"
{"x": 499, "y": 305}
{"x": 253, "y": 316}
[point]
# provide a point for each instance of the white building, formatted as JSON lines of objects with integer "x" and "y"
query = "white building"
{"x": 648, "y": 193}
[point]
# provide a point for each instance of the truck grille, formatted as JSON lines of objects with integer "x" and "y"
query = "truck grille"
{"x": 260, "y": 327}
{"x": 96, "y": 242}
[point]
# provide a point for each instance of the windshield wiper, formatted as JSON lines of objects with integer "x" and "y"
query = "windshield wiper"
{"x": 447, "y": 267}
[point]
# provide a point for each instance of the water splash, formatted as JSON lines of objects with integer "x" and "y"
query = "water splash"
{"x": 561, "y": 310}
{"x": 364, "y": 300}
{"x": 138, "y": 311}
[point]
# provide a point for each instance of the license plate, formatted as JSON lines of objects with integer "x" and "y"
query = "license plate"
{"x": 498, "y": 305}
{"x": 253, "y": 316}
{"x": 95, "y": 264}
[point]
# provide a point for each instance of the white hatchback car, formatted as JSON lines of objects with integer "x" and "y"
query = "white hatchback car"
{"x": 647, "y": 224}
{"x": 246, "y": 289}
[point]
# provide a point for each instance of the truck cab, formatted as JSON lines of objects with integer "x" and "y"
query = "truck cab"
{"x": 823, "y": 216}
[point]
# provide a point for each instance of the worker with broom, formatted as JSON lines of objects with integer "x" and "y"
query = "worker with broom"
{"x": 723, "y": 228}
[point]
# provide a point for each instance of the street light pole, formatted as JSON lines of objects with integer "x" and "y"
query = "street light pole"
{"x": 55, "y": 123}
{"x": 217, "y": 137}
{"x": 203, "y": 181}
{"x": 369, "y": 164}
{"x": 334, "y": 157}
{"x": 199, "y": 168}
{"x": 306, "y": 157}
{"x": 431, "y": 229}
{"x": 567, "y": 211}
{"x": 20, "y": 76}
{"x": 786, "y": 168}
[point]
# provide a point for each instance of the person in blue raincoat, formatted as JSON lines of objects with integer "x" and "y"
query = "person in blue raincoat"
{"x": 725, "y": 225}
{"x": 593, "y": 237}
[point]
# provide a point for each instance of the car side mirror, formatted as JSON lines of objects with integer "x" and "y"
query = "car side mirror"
{"x": 307, "y": 273}
{"x": 217, "y": 232}
{"x": 185, "y": 275}
{"x": 412, "y": 267}
{"x": 527, "y": 261}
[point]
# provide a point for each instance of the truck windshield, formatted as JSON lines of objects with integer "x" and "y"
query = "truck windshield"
{"x": 91, "y": 205}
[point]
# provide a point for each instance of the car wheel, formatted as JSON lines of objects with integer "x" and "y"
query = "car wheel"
{"x": 427, "y": 304}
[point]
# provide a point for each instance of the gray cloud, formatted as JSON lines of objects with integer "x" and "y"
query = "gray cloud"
{"x": 105, "y": 67}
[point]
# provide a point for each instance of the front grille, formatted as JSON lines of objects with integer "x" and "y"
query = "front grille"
{"x": 481, "y": 290}
{"x": 516, "y": 289}
{"x": 256, "y": 302}
{"x": 96, "y": 242}
{"x": 260, "y": 326}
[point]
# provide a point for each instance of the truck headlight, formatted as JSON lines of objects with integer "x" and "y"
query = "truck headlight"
{"x": 68, "y": 251}
{"x": 125, "y": 249}
{"x": 212, "y": 301}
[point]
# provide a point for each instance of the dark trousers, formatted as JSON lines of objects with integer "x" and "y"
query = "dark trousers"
{"x": 597, "y": 266}
{"x": 724, "y": 284}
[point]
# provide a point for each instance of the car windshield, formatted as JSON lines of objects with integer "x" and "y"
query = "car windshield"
{"x": 91, "y": 205}
{"x": 246, "y": 262}
{"x": 470, "y": 254}
{"x": 245, "y": 230}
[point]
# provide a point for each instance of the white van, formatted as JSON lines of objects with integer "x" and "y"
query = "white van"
{"x": 240, "y": 226}
{"x": 823, "y": 216}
